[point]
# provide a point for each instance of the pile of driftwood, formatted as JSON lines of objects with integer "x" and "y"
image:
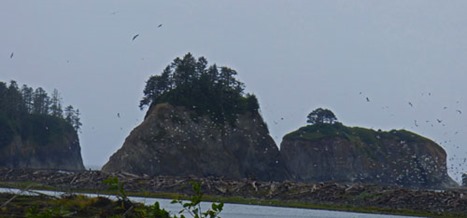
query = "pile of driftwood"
{"x": 321, "y": 193}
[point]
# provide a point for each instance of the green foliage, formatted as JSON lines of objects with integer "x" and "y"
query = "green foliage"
{"x": 115, "y": 185}
{"x": 193, "y": 206}
{"x": 318, "y": 131}
{"x": 205, "y": 89}
{"x": 6, "y": 132}
{"x": 356, "y": 135}
{"x": 42, "y": 129}
{"x": 156, "y": 211}
{"x": 407, "y": 136}
{"x": 321, "y": 115}
{"x": 72, "y": 117}
{"x": 18, "y": 104}
{"x": 54, "y": 212}
{"x": 34, "y": 117}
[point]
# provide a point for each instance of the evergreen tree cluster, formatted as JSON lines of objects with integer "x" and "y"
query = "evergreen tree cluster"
{"x": 17, "y": 103}
{"x": 211, "y": 90}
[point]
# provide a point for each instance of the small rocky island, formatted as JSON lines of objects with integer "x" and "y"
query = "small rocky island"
{"x": 326, "y": 150}
{"x": 35, "y": 132}
{"x": 334, "y": 152}
{"x": 199, "y": 124}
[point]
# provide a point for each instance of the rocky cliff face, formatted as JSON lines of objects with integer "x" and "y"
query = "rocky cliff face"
{"x": 333, "y": 152}
{"x": 174, "y": 141}
{"x": 43, "y": 143}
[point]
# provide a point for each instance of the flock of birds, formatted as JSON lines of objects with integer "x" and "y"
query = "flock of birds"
{"x": 113, "y": 13}
{"x": 458, "y": 160}
{"x": 412, "y": 105}
{"x": 136, "y": 36}
{"x": 416, "y": 123}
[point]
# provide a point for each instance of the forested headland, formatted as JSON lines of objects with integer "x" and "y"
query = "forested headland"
{"x": 33, "y": 123}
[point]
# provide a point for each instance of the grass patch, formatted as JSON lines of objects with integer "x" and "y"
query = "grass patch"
{"x": 356, "y": 135}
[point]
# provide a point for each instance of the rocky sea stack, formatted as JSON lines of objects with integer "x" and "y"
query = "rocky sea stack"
{"x": 199, "y": 123}
{"x": 35, "y": 132}
{"x": 172, "y": 142}
{"x": 46, "y": 143}
{"x": 334, "y": 152}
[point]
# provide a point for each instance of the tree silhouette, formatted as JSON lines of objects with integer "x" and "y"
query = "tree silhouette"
{"x": 56, "y": 104}
{"x": 211, "y": 90}
{"x": 72, "y": 117}
{"x": 320, "y": 115}
{"x": 41, "y": 101}
{"x": 17, "y": 104}
{"x": 27, "y": 93}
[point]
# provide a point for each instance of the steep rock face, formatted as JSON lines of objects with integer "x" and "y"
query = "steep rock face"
{"x": 333, "y": 152}
{"x": 43, "y": 142}
{"x": 173, "y": 141}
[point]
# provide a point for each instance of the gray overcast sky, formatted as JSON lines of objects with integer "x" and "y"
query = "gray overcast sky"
{"x": 294, "y": 55}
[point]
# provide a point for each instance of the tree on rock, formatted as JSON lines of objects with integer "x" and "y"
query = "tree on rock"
{"x": 192, "y": 83}
{"x": 320, "y": 115}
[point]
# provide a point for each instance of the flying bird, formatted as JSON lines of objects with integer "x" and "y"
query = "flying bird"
{"x": 134, "y": 37}
{"x": 118, "y": 115}
{"x": 439, "y": 121}
{"x": 459, "y": 111}
{"x": 159, "y": 26}
{"x": 410, "y": 103}
{"x": 11, "y": 56}
{"x": 367, "y": 99}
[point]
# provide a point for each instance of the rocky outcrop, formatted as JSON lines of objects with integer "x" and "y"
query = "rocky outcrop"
{"x": 43, "y": 142}
{"x": 174, "y": 141}
{"x": 333, "y": 152}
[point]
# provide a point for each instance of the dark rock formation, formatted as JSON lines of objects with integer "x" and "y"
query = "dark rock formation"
{"x": 174, "y": 141}
{"x": 42, "y": 142}
{"x": 333, "y": 152}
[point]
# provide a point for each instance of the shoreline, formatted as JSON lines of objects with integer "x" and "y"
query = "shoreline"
{"x": 174, "y": 208}
{"x": 327, "y": 196}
